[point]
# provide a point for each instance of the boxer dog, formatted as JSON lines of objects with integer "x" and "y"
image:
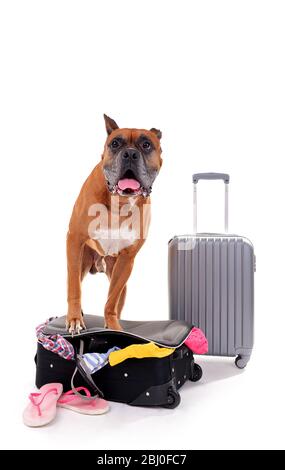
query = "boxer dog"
{"x": 120, "y": 184}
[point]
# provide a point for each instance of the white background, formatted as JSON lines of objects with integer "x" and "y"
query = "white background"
{"x": 210, "y": 75}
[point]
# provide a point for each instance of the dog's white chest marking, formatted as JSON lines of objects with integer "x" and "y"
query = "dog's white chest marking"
{"x": 121, "y": 234}
{"x": 114, "y": 241}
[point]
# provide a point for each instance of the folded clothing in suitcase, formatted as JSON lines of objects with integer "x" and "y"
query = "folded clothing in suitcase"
{"x": 211, "y": 284}
{"x": 150, "y": 381}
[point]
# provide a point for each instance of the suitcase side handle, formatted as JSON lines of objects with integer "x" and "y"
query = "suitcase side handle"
{"x": 211, "y": 176}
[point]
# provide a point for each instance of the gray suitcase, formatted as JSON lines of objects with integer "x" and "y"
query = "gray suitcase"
{"x": 211, "y": 284}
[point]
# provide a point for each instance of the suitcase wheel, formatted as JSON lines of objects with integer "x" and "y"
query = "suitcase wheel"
{"x": 173, "y": 399}
{"x": 196, "y": 374}
{"x": 241, "y": 361}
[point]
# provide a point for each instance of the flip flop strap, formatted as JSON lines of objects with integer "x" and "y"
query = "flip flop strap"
{"x": 33, "y": 397}
{"x": 70, "y": 395}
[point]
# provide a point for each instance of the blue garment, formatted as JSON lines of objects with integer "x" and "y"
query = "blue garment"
{"x": 95, "y": 361}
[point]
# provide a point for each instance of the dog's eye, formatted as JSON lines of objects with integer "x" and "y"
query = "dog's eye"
{"x": 146, "y": 144}
{"x": 115, "y": 144}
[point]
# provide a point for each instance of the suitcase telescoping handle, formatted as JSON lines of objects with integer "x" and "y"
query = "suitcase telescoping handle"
{"x": 210, "y": 176}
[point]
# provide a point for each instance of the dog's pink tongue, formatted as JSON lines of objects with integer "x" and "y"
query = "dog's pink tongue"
{"x": 128, "y": 183}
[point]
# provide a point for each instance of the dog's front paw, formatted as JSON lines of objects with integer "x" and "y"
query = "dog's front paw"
{"x": 74, "y": 323}
{"x": 113, "y": 324}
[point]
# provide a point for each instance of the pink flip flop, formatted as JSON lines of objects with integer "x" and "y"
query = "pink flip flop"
{"x": 42, "y": 407}
{"x": 85, "y": 405}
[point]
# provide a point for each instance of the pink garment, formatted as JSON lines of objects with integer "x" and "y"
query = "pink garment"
{"x": 197, "y": 341}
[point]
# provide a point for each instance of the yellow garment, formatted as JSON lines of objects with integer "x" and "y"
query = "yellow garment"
{"x": 138, "y": 351}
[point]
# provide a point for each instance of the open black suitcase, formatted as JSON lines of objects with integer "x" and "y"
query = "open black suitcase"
{"x": 140, "y": 382}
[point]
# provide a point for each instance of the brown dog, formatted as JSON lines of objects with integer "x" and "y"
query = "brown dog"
{"x": 118, "y": 186}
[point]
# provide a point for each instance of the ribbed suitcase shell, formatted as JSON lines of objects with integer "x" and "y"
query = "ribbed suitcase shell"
{"x": 211, "y": 285}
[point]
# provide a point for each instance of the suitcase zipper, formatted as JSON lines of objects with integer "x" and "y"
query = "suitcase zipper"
{"x": 127, "y": 334}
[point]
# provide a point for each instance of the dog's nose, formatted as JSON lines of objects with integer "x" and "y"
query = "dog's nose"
{"x": 131, "y": 154}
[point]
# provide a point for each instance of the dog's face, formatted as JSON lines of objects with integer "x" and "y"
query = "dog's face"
{"x": 131, "y": 159}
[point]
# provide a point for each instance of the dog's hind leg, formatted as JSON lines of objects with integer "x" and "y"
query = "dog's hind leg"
{"x": 98, "y": 264}
{"x": 88, "y": 262}
{"x": 109, "y": 261}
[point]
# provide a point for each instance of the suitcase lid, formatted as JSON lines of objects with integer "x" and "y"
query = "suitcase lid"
{"x": 169, "y": 333}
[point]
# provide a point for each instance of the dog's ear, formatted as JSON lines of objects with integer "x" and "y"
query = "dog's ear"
{"x": 157, "y": 132}
{"x": 110, "y": 124}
